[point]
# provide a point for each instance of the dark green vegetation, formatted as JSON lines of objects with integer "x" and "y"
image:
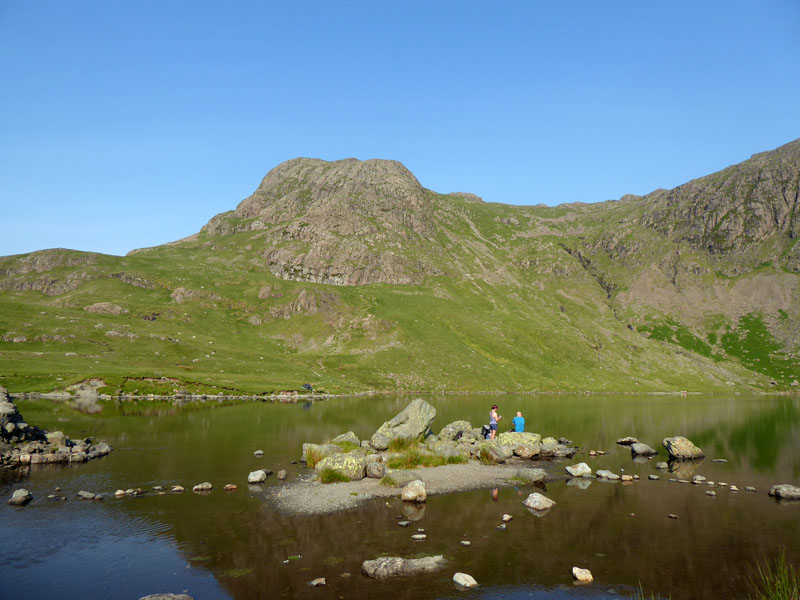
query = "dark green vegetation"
{"x": 415, "y": 458}
{"x": 351, "y": 276}
{"x": 332, "y": 476}
{"x": 778, "y": 580}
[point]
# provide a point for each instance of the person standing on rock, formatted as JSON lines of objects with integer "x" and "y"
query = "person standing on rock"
{"x": 518, "y": 422}
{"x": 493, "y": 419}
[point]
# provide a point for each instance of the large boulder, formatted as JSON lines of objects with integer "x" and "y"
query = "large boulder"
{"x": 414, "y": 491}
{"x": 538, "y": 502}
{"x": 20, "y": 497}
{"x": 524, "y": 444}
{"x": 351, "y": 464}
{"x": 450, "y": 432}
{"x": 785, "y": 491}
{"x": 413, "y": 422}
{"x": 497, "y": 452}
{"x": 386, "y": 567}
{"x": 680, "y": 448}
{"x": 642, "y": 449}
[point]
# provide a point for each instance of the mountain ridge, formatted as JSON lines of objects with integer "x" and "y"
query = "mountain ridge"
{"x": 353, "y": 275}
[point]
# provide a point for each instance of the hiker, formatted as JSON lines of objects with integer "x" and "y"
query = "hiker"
{"x": 493, "y": 419}
{"x": 518, "y": 422}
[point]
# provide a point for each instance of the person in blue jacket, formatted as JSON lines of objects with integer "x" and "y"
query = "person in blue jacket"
{"x": 518, "y": 422}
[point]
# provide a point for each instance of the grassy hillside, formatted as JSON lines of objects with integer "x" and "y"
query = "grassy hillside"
{"x": 327, "y": 276}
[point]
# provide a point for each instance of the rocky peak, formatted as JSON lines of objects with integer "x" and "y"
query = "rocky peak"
{"x": 735, "y": 208}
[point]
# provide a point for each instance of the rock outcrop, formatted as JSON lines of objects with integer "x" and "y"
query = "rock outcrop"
{"x": 413, "y": 422}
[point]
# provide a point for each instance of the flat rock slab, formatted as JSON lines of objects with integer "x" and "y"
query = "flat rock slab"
{"x": 387, "y": 567}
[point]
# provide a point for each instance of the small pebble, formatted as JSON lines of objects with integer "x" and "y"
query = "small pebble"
{"x": 258, "y": 453}
{"x": 317, "y": 582}
{"x": 652, "y": 477}
{"x": 58, "y": 489}
{"x": 230, "y": 487}
{"x": 404, "y": 523}
{"x": 507, "y": 518}
{"x": 601, "y": 452}
{"x": 672, "y": 516}
{"x": 501, "y": 527}
{"x": 418, "y": 537}
{"x": 465, "y": 543}
{"x": 672, "y": 479}
{"x": 119, "y": 493}
{"x": 750, "y": 488}
{"x": 719, "y": 460}
{"x": 636, "y": 477}
{"x": 711, "y": 493}
{"x": 722, "y": 484}
{"x": 344, "y": 575}
{"x": 733, "y": 488}
{"x": 632, "y": 515}
{"x": 420, "y": 531}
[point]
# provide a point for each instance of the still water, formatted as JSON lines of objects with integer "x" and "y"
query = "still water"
{"x": 234, "y": 544}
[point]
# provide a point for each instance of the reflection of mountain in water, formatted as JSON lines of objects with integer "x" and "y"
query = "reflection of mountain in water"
{"x": 761, "y": 440}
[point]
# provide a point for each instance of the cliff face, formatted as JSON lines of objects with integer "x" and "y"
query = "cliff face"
{"x": 697, "y": 284}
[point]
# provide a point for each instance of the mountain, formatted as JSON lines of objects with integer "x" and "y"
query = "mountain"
{"x": 350, "y": 275}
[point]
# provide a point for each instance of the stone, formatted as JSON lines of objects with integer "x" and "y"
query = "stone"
{"x": 465, "y": 543}
{"x": 105, "y": 308}
{"x": 605, "y": 474}
{"x": 750, "y": 488}
{"x": 698, "y": 479}
{"x": 497, "y": 452}
{"x": 538, "y": 502}
{"x": 501, "y": 527}
{"x": 640, "y": 449}
{"x": 672, "y": 516}
{"x": 450, "y": 431}
{"x": 414, "y": 492}
{"x": 711, "y": 493}
{"x": 376, "y": 470}
{"x": 413, "y": 422}
{"x": 167, "y": 597}
{"x": 119, "y": 493}
{"x": 522, "y": 443}
{"x": 258, "y": 476}
{"x": 653, "y": 477}
{"x": 404, "y": 523}
{"x": 317, "y": 582}
{"x": 230, "y": 487}
{"x": 530, "y": 475}
{"x": 464, "y": 581}
{"x": 719, "y": 460}
{"x": 592, "y": 452}
{"x": 387, "y": 567}
{"x": 627, "y": 441}
{"x": 582, "y": 575}
{"x": 282, "y": 474}
{"x": 681, "y": 448}
{"x": 347, "y": 438}
{"x": 579, "y": 470}
{"x": 627, "y": 477}
{"x": 177, "y": 489}
{"x": 351, "y": 464}
{"x": 662, "y": 466}
{"x": 785, "y": 491}
{"x": 203, "y": 487}
{"x": 258, "y": 453}
{"x": 549, "y": 446}
{"x": 20, "y": 497}
{"x": 733, "y": 488}
{"x": 419, "y": 537}
{"x": 84, "y": 495}
{"x": 506, "y": 518}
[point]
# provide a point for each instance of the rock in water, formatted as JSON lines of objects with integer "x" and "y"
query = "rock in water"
{"x": 579, "y": 470}
{"x": 537, "y": 501}
{"x": 20, "y": 497}
{"x": 414, "y": 492}
{"x": 203, "y": 487}
{"x": 413, "y": 422}
{"x": 394, "y": 566}
{"x": 259, "y": 476}
{"x": 317, "y": 582}
{"x": 627, "y": 441}
{"x": 282, "y": 474}
{"x": 605, "y": 474}
{"x": 351, "y": 464}
{"x": 681, "y": 448}
{"x": 662, "y": 465}
{"x": 531, "y": 475}
{"x": 785, "y": 491}
{"x": 582, "y": 575}
{"x": 640, "y": 449}
{"x": 462, "y": 580}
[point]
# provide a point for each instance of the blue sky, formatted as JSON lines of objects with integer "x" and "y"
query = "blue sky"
{"x": 130, "y": 124}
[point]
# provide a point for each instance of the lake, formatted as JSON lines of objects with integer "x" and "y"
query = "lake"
{"x": 235, "y": 545}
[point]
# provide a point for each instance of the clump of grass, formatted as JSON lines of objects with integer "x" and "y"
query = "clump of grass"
{"x": 388, "y": 481}
{"x": 777, "y": 581}
{"x": 639, "y": 595}
{"x": 402, "y": 444}
{"x": 332, "y": 476}
{"x": 313, "y": 456}
{"x": 415, "y": 458}
{"x": 485, "y": 457}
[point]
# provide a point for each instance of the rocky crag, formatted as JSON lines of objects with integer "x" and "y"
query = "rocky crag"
{"x": 350, "y": 275}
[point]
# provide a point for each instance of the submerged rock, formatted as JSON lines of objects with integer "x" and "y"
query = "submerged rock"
{"x": 20, "y": 497}
{"x": 785, "y": 491}
{"x": 387, "y": 567}
{"x": 539, "y": 502}
{"x": 681, "y": 448}
{"x": 462, "y": 580}
{"x": 413, "y": 422}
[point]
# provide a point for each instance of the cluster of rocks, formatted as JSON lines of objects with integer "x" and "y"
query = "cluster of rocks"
{"x": 22, "y": 444}
{"x": 357, "y": 459}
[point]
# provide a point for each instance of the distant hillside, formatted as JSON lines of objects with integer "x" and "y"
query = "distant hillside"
{"x": 350, "y": 275}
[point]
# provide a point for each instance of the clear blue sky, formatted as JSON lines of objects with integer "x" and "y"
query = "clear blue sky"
{"x": 130, "y": 124}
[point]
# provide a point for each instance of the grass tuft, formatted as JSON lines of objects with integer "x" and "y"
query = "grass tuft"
{"x": 485, "y": 457}
{"x": 332, "y": 476}
{"x": 313, "y": 456}
{"x": 402, "y": 444}
{"x": 347, "y": 446}
{"x": 388, "y": 481}
{"x": 777, "y": 581}
{"x": 415, "y": 458}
